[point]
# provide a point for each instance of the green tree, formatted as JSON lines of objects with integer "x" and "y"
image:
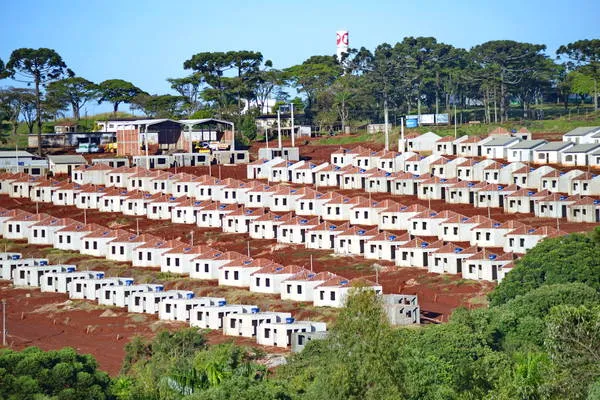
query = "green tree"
{"x": 509, "y": 63}
{"x": 571, "y": 258}
{"x": 13, "y": 102}
{"x": 574, "y": 345}
{"x": 160, "y": 106}
{"x": 117, "y": 91}
{"x": 60, "y": 374}
{"x": 76, "y": 91}
{"x": 189, "y": 87}
{"x": 585, "y": 54}
{"x": 40, "y": 66}
{"x": 312, "y": 77}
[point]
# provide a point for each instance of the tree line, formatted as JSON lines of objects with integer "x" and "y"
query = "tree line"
{"x": 539, "y": 339}
{"x": 415, "y": 75}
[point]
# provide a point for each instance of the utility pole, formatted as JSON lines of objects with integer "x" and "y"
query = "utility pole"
{"x": 401, "y": 144}
{"x": 192, "y": 238}
{"x": 386, "y": 129}
{"x": 279, "y": 128}
{"x": 292, "y": 133}
{"x": 3, "y": 322}
{"x": 455, "y": 130}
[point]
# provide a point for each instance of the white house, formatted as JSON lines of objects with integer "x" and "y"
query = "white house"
{"x": 492, "y": 234}
{"x": 43, "y": 232}
{"x": 211, "y": 317}
{"x": 585, "y": 184}
{"x": 322, "y": 236}
{"x": 118, "y": 177}
{"x": 581, "y": 135}
{"x": 177, "y": 309}
{"x": 64, "y": 164}
{"x": 31, "y": 275}
{"x": 486, "y": 266}
{"x": 550, "y": 153}
{"x": 269, "y": 279}
{"x": 352, "y": 241}
{"x": 97, "y": 243}
{"x": 585, "y": 209}
{"x": 281, "y": 334}
{"x": 89, "y": 288}
{"x": 239, "y": 221}
{"x": 333, "y": 292}
{"x": 238, "y": 273}
{"x": 384, "y": 246}
{"x": 178, "y": 260}
{"x": 295, "y": 230}
{"x": 449, "y": 259}
{"x": 248, "y": 324}
{"x": 520, "y": 201}
{"x": 330, "y": 176}
{"x": 578, "y": 155}
{"x": 185, "y": 211}
{"x": 207, "y": 265}
{"x": 423, "y": 142}
{"x": 122, "y": 248}
{"x": 18, "y": 227}
{"x": 149, "y": 254}
{"x": 524, "y": 151}
{"x": 57, "y": 282}
{"x": 416, "y": 253}
{"x": 526, "y": 237}
{"x": 148, "y": 302}
{"x": 119, "y": 296}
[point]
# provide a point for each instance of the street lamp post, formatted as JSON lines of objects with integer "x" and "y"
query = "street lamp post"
{"x": 232, "y": 136}
{"x": 3, "y": 322}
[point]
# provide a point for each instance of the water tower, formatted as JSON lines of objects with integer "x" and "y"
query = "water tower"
{"x": 342, "y": 42}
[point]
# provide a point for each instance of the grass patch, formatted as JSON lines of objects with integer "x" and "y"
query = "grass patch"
{"x": 478, "y": 301}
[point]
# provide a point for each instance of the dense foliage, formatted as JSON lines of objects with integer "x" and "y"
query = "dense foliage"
{"x": 62, "y": 374}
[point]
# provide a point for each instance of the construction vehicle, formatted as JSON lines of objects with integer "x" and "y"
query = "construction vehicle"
{"x": 110, "y": 147}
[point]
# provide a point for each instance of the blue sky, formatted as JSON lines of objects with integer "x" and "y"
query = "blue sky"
{"x": 146, "y": 42}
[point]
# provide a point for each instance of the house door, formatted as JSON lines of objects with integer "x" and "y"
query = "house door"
{"x": 459, "y": 266}
{"x": 501, "y": 200}
{"x": 331, "y": 241}
{"x": 453, "y": 149}
{"x": 471, "y": 197}
{"x": 151, "y": 163}
{"x": 531, "y": 206}
{"x": 289, "y": 176}
{"x": 362, "y": 246}
{"x": 425, "y": 259}
{"x": 415, "y": 188}
{"x": 443, "y": 193}
{"x": 389, "y": 186}
{"x": 494, "y": 273}
{"x": 192, "y": 161}
{"x": 564, "y": 211}
{"x": 274, "y": 232}
{"x": 363, "y": 183}
{"x": 337, "y": 180}
{"x": 393, "y": 252}
{"x": 597, "y": 215}
{"x": 303, "y": 235}
{"x": 69, "y": 169}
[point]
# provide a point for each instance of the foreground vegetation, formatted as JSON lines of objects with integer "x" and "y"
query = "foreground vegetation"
{"x": 539, "y": 339}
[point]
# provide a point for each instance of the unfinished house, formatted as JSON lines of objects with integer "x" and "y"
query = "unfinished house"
{"x": 402, "y": 309}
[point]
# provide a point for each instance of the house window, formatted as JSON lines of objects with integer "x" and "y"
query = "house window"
{"x": 522, "y": 242}
{"x": 332, "y": 295}
{"x": 299, "y": 289}
{"x": 267, "y": 282}
{"x": 288, "y": 289}
{"x": 257, "y": 281}
{"x": 95, "y": 245}
{"x": 226, "y": 275}
{"x": 236, "y": 275}
{"x": 487, "y": 236}
{"x": 322, "y": 294}
{"x": 86, "y": 245}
